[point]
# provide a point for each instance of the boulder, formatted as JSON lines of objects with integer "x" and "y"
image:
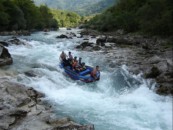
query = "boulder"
{"x": 145, "y": 46}
{"x": 30, "y": 73}
{"x": 112, "y": 39}
{"x": 93, "y": 36}
{"x": 96, "y": 48}
{"x": 16, "y": 41}
{"x": 82, "y": 26}
{"x": 34, "y": 94}
{"x": 72, "y": 34}
{"x": 125, "y": 41}
{"x": 101, "y": 41}
{"x": 62, "y": 36}
{"x": 56, "y": 121}
{"x": 109, "y": 45}
{"x": 162, "y": 66}
{"x": 5, "y": 57}
{"x": 84, "y": 45}
{"x": 3, "y": 43}
{"x": 164, "y": 90}
{"x": 17, "y": 113}
{"x": 120, "y": 32}
{"x": 154, "y": 72}
{"x": 170, "y": 64}
{"x": 68, "y": 28}
{"x": 154, "y": 60}
{"x": 86, "y": 39}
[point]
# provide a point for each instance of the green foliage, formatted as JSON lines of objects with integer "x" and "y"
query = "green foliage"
{"x": 66, "y": 19}
{"x": 23, "y": 14}
{"x": 154, "y": 17}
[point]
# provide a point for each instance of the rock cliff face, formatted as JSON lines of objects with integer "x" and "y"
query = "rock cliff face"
{"x": 23, "y": 107}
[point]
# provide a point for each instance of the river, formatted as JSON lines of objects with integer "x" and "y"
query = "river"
{"x": 119, "y": 101}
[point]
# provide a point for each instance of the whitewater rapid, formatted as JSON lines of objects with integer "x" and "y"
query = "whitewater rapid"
{"x": 119, "y": 101}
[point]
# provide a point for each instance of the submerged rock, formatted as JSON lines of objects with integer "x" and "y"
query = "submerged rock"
{"x": 30, "y": 74}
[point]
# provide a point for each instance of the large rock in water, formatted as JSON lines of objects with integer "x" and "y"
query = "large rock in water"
{"x": 62, "y": 36}
{"x": 3, "y": 43}
{"x": 84, "y": 45}
{"x": 5, "y": 57}
{"x": 16, "y": 41}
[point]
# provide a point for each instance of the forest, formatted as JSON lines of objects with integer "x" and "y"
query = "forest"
{"x": 152, "y": 17}
{"x": 66, "y": 18}
{"x": 23, "y": 14}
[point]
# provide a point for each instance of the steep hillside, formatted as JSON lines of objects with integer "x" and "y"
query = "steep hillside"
{"x": 152, "y": 17}
{"x": 82, "y": 7}
{"x": 65, "y": 18}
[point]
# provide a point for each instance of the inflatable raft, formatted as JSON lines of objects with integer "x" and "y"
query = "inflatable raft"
{"x": 84, "y": 75}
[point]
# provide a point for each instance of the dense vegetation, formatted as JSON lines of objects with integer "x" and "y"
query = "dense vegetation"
{"x": 23, "y": 14}
{"x": 66, "y": 19}
{"x": 82, "y": 7}
{"x": 154, "y": 17}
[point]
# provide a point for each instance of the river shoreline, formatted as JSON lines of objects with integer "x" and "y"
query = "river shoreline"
{"x": 150, "y": 55}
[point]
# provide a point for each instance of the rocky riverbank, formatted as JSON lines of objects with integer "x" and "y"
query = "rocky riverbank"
{"x": 15, "y": 33}
{"x": 150, "y": 55}
{"x": 22, "y": 107}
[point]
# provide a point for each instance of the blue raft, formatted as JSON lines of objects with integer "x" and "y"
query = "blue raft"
{"x": 84, "y": 75}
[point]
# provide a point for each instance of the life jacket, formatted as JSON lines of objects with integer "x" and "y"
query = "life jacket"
{"x": 93, "y": 73}
{"x": 81, "y": 68}
{"x": 74, "y": 63}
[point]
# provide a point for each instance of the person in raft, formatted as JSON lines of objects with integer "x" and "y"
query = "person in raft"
{"x": 74, "y": 63}
{"x": 63, "y": 57}
{"x": 95, "y": 73}
{"x": 70, "y": 57}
